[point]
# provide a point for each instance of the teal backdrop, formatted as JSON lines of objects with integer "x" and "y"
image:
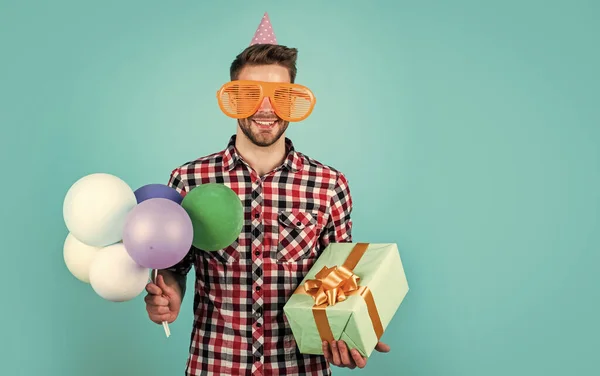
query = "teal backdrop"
{"x": 469, "y": 131}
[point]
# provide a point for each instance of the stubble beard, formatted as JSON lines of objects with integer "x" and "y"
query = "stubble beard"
{"x": 262, "y": 139}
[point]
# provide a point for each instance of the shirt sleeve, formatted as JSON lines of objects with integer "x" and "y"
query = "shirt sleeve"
{"x": 339, "y": 225}
{"x": 182, "y": 268}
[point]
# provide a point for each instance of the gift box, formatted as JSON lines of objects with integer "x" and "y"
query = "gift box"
{"x": 351, "y": 293}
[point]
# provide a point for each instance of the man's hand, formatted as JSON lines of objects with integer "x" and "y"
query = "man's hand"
{"x": 337, "y": 354}
{"x": 163, "y": 302}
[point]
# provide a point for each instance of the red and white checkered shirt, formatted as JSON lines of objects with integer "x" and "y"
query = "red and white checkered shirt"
{"x": 291, "y": 215}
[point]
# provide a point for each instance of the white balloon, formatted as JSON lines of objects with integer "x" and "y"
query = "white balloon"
{"x": 78, "y": 257}
{"x": 115, "y": 276}
{"x": 96, "y": 207}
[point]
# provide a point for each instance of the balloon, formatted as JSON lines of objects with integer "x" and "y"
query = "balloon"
{"x": 158, "y": 233}
{"x": 78, "y": 257}
{"x": 157, "y": 191}
{"x": 217, "y": 215}
{"x": 115, "y": 276}
{"x": 95, "y": 209}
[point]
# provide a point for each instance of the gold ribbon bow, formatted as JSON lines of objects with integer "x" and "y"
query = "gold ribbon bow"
{"x": 331, "y": 285}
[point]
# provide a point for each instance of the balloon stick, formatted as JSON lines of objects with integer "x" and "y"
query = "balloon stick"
{"x": 164, "y": 323}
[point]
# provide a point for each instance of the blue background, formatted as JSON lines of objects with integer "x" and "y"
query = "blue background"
{"x": 469, "y": 131}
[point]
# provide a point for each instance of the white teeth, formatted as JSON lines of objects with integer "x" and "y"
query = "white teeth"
{"x": 264, "y": 122}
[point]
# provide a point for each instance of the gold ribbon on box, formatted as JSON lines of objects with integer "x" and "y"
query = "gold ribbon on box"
{"x": 333, "y": 285}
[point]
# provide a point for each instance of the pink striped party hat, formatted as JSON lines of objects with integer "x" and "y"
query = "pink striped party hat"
{"x": 264, "y": 33}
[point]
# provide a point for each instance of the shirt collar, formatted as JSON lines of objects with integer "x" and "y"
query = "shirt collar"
{"x": 293, "y": 161}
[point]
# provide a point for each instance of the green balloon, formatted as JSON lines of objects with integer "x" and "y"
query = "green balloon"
{"x": 217, "y": 215}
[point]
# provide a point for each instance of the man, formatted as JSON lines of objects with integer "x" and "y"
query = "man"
{"x": 294, "y": 207}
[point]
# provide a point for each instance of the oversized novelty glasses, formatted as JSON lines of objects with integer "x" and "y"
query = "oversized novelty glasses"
{"x": 241, "y": 99}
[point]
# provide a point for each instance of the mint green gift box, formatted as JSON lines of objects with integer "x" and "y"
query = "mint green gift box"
{"x": 380, "y": 271}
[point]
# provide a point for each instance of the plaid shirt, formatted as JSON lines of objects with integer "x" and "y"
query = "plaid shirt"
{"x": 291, "y": 215}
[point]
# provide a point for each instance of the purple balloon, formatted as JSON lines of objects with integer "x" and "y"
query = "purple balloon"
{"x": 157, "y": 191}
{"x": 158, "y": 233}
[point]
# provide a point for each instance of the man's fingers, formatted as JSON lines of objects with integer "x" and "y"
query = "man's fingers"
{"x": 153, "y": 289}
{"x": 358, "y": 359}
{"x": 156, "y": 300}
{"x": 327, "y": 352}
{"x": 335, "y": 354}
{"x": 163, "y": 286}
{"x": 345, "y": 357}
{"x": 158, "y": 319}
{"x": 382, "y": 347}
{"x": 160, "y": 310}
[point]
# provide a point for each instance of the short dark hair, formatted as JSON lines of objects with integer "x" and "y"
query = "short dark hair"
{"x": 265, "y": 54}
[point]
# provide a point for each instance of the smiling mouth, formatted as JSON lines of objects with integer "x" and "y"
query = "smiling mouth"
{"x": 265, "y": 123}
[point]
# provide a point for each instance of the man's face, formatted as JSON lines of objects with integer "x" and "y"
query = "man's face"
{"x": 264, "y": 128}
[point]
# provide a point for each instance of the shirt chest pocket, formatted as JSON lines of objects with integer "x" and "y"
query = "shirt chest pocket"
{"x": 298, "y": 234}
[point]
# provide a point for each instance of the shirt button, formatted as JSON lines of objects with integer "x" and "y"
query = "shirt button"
{"x": 257, "y": 253}
{"x": 257, "y": 288}
{"x": 258, "y": 324}
{"x": 257, "y": 215}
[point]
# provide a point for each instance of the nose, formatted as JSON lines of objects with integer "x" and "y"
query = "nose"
{"x": 266, "y": 106}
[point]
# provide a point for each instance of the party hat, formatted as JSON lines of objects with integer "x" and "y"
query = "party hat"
{"x": 264, "y": 33}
